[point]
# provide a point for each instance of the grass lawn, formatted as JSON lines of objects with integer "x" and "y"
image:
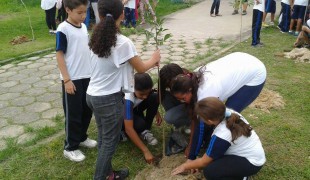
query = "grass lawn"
{"x": 284, "y": 133}
{"x": 14, "y": 22}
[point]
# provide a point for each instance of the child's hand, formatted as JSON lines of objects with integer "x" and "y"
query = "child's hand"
{"x": 156, "y": 57}
{"x": 159, "y": 120}
{"x": 70, "y": 87}
{"x": 149, "y": 158}
{"x": 178, "y": 170}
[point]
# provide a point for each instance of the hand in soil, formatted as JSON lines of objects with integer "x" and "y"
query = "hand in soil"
{"x": 178, "y": 170}
{"x": 149, "y": 158}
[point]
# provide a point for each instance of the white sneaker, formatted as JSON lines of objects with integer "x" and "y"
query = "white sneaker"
{"x": 148, "y": 136}
{"x": 89, "y": 143}
{"x": 75, "y": 155}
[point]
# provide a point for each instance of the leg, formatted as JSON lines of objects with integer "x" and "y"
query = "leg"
{"x": 213, "y": 7}
{"x": 217, "y": 7}
{"x": 87, "y": 112}
{"x": 47, "y": 19}
{"x": 108, "y": 111}
{"x": 256, "y": 26}
{"x": 151, "y": 9}
{"x": 244, "y": 97}
{"x": 132, "y": 18}
{"x": 73, "y": 109}
{"x": 230, "y": 167}
{"x": 127, "y": 17}
{"x": 52, "y": 17}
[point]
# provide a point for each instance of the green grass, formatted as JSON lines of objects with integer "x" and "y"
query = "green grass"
{"x": 14, "y": 22}
{"x": 284, "y": 133}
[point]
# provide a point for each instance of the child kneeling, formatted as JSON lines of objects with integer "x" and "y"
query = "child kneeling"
{"x": 137, "y": 123}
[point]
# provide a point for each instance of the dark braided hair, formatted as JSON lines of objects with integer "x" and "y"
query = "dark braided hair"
{"x": 211, "y": 108}
{"x": 104, "y": 36}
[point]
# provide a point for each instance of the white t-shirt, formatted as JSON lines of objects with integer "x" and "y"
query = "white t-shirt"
{"x": 131, "y": 97}
{"x": 131, "y": 4}
{"x": 259, "y": 6}
{"x": 249, "y": 147}
{"x": 301, "y": 2}
{"x": 73, "y": 41}
{"x": 308, "y": 23}
{"x": 286, "y": 2}
{"x": 48, "y": 4}
{"x": 225, "y": 76}
{"x": 115, "y": 73}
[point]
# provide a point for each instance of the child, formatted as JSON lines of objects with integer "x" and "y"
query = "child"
{"x": 142, "y": 4}
{"x": 258, "y": 10}
{"x": 237, "y": 79}
{"x": 50, "y": 12}
{"x": 175, "y": 114}
{"x": 235, "y": 152}
{"x": 73, "y": 57}
{"x": 216, "y": 6}
{"x": 298, "y": 16}
{"x": 287, "y": 7}
{"x": 303, "y": 37}
{"x": 113, "y": 60}
{"x": 270, "y": 7}
{"x": 130, "y": 17}
{"x": 140, "y": 110}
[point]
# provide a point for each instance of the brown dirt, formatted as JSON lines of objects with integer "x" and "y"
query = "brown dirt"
{"x": 19, "y": 40}
{"x": 299, "y": 55}
{"x": 163, "y": 170}
{"x": 268, "y": 100}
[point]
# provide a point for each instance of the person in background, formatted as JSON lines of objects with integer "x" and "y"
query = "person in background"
{"x": 258, "y": 10}
{"x": 215, "y": 6}
{"x": 235, "y": 150}
{"x": 237, "y": 6}
{"x": 286, "y": 10}
{"x": 299, "y": 10}
{"x": 49, "y": 6}
{"x": 130, "y": 18}
{"x": 270, "y": 7}
{"x": 142, "y": 9}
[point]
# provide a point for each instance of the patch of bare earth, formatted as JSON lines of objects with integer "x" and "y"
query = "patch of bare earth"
{"x": 19, "y": 40}
{"x": 163, "y": 170}
{"x": 268, "y": 100}
{"x": 299, "y": 55}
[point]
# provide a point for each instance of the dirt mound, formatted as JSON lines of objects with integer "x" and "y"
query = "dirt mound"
{"x": 163, "y": 171}
{"x": 299, "y": 55}
{"x": 19, "y": 40}
{"x": 268, "y": 100}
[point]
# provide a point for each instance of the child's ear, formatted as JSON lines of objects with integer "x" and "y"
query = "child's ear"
{"x": 67, "y": 9}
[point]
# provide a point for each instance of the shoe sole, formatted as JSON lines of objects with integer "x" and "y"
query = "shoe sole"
{"x": 73, "y": 159}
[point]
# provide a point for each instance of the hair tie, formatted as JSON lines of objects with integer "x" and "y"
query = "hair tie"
{"x": 227, "y": 113}
{"x": 108, "y": 15}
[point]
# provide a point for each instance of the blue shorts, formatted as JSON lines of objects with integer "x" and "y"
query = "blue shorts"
{"x": 270, "y": 6}
{"x": 298, "y": 12}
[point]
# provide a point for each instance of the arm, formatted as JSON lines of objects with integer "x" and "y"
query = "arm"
{"x": 142, "y": 66}
{"x": 195, "y": 164}
{"x": 132, "y": 134}
{"x": 69, "y": 86}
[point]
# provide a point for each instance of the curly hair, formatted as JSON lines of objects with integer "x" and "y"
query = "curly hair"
{"x": 211, "y": 108}
{"x": 105, "y": 33}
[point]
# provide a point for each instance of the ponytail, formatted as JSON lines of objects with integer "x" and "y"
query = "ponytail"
{"x": 237, "y": 126}
{"x": 105, "y": 33}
